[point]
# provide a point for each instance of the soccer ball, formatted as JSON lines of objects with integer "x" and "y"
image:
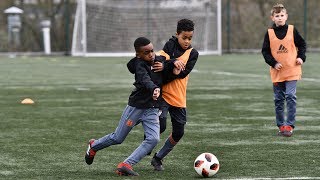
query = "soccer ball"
{"x": 206, "y": 165}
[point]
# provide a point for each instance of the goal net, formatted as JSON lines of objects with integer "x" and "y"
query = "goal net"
{"x": 109, "y": 27}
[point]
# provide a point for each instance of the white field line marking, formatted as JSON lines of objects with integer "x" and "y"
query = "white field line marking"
{"x": 249, "y": 75}
{"x": 310, "y": 79}
{"x": 6, "y": 173}
{"x": 289, "y": 178}
{"x": 232, "y": 74}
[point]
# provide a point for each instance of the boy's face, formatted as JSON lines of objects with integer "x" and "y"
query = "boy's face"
{"x": 280, "y": 18}
{"x": 146, "y": 53}
{"x": 185, "y": 39}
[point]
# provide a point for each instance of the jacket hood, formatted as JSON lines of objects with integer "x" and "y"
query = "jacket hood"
{"x": 173, "y": 39}
{"x": 131, "y": 65}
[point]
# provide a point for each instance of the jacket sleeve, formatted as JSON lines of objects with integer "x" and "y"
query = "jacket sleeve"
{"x": 300, "y": 44}
{"x": 266, "y": 51}
{"x": 168, "y": 71}
{"x": 190, "y": 64}
{"x": 143, "y": 77}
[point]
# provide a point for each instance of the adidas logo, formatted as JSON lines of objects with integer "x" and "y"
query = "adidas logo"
{"x": 282, "y": 49}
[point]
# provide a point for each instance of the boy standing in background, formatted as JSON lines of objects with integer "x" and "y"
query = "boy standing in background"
{"x": 284, "y": 51}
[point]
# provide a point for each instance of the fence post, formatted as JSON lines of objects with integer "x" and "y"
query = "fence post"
{"x": 228, "y": 27}
{"x": 305, "y": 19}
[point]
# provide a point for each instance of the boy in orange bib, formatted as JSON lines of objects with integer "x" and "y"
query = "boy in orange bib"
{"x": 174, "y": 93}
{"x": 284, "y": 50}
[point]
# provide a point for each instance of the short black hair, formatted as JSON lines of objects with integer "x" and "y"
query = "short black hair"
{"x": 185, "y": 25}
{"x": 139, "y": 42}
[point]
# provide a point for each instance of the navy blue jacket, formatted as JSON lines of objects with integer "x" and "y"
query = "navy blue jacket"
{"x": 146, "y": 80}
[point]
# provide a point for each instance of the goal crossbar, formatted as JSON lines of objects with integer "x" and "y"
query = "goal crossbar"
{"x": 109, "y": 27}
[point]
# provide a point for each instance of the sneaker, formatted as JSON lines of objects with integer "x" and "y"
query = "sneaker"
{"x": 125, "y": 169}
{"x": 281, "y": 130}
{"x": 288, "y": 131}
{"x": 157, "y": 163}
{"x": 90, "y": 153}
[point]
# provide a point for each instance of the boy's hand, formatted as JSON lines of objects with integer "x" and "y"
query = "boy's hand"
{"x": 278, "y": 66}
{"x": 299, "y": 61}
{"x": 176, "y": 71}
{"x": 156, "y": 94}
{"x": 157, "y": 66}
{"x": 180, "y": 65}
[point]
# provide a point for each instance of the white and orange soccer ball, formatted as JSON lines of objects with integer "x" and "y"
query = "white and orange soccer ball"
{"x": 206, "y": 165}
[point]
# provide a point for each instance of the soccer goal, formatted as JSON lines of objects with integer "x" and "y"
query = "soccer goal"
{"x": 109, "y": 27}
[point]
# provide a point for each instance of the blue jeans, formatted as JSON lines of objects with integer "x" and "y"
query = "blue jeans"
{"x": 285, "y": 92}
{"x": 149, "y": 118}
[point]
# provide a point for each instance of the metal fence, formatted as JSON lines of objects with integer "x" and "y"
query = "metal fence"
{"x": 244, "y": 23}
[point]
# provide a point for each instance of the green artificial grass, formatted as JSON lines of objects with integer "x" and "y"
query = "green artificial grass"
{"x": 230, "y": 114}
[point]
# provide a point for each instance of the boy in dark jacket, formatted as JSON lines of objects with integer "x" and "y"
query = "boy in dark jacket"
{"x": 143, "y": 107}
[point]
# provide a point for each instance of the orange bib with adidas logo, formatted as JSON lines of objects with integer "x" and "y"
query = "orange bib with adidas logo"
{"x": 285, "y": 52}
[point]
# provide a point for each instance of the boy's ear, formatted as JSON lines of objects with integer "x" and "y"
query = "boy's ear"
{"x": 176, "y": 34}
{"x": 271, "y": 17}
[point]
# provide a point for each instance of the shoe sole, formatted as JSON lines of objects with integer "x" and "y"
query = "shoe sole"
{"x": 87, "y": 157}
{"x": 88, "y": 161}
{"x": 120, "y": 173}
{"x": 155, "y": 167}
{"x": 285, "y": 134}
{"x": 124, "y": 174}
{"x": 280, "y": 133}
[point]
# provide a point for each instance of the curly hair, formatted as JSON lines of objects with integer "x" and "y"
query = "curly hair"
{"x": 185, "y": 25}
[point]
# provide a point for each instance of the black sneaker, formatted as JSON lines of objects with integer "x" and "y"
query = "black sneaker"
{"x": 157, "y": 163}
{"x": 124, "y": 169}
{"x": 90, "y": 153}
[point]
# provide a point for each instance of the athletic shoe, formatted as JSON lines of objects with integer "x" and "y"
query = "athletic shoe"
{"x": 281, "y": 130}
{"x": 157, "y": 163}
{"x": 125, "y": 169}
{"x": 288, "y": 131}
{"x": 90, "y": 153}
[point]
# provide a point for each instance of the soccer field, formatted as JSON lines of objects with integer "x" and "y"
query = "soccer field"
{"x": 230, "y": 114}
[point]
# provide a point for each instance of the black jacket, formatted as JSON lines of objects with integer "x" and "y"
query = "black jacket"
{"x": 146, "y": 80}
{"x": 174, "y": 50}
{"x": 281, "y": 32}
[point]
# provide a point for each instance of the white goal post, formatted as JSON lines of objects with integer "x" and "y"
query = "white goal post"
{"x": 109, "y": 27}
